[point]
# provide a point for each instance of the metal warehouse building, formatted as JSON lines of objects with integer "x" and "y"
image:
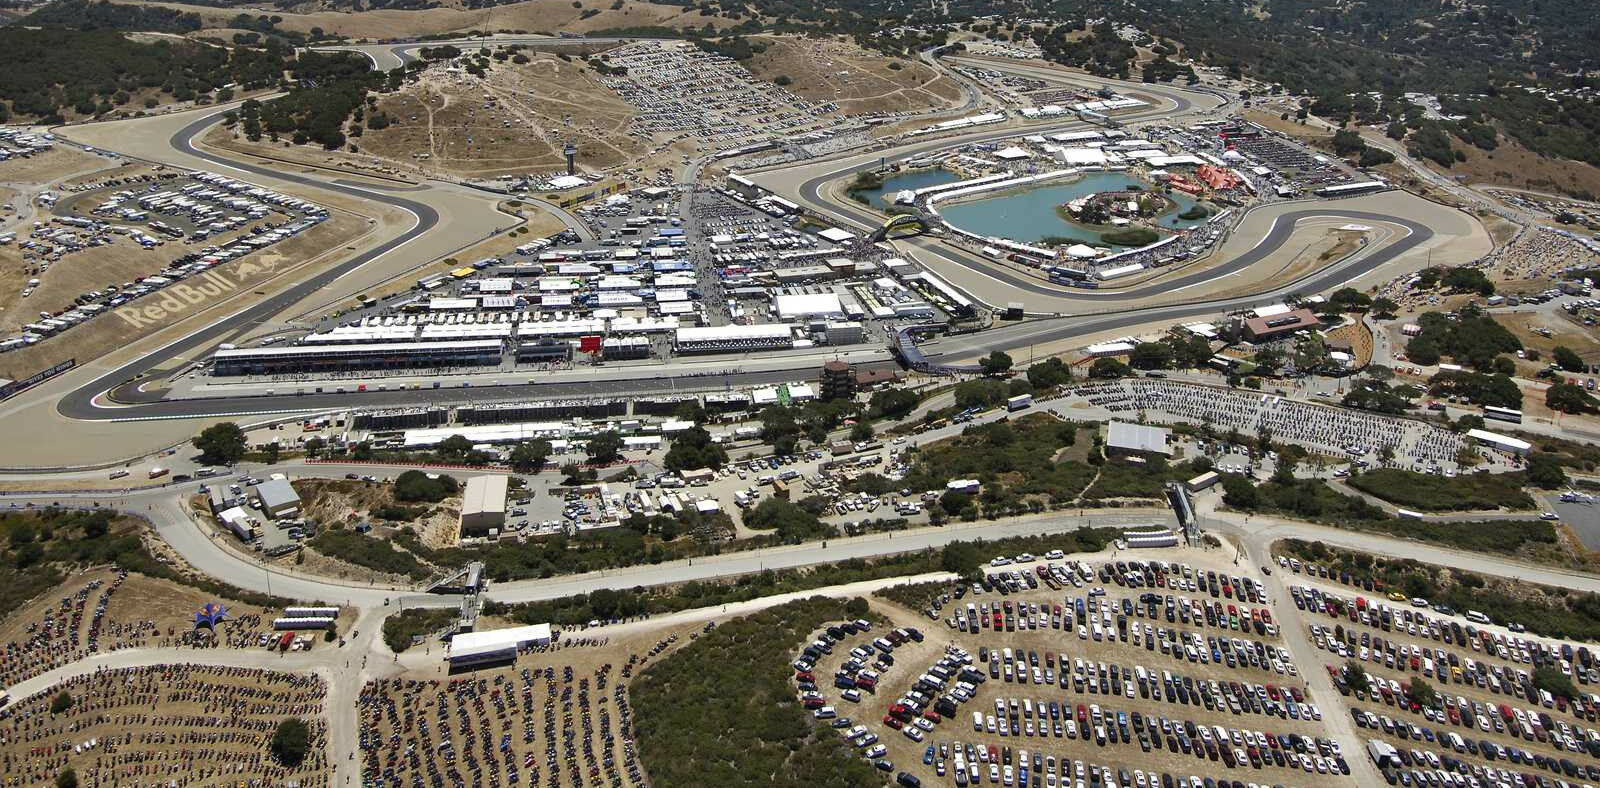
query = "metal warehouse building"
{"x": 483, "y": 506}
{"x": 470, "y": 648}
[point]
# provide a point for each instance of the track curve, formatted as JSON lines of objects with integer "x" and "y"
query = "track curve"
{"x": 81, "y": 402}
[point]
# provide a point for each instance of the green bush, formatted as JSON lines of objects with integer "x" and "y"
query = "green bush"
{"x": 399, "y": 629}
{"x": 722, "y": 709}
{"x": 790, "y": 523}
{"x": 368, "y": 552}
{"x": 1132, "y": 236}
{"x": 418, "y": 486}
{"x": 1435, "y": 493}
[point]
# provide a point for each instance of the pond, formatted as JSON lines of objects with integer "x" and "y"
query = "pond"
{"x": 1029, "y": 215}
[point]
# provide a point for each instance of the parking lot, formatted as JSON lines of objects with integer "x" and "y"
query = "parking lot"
{"x": 1451, "y": 697}
{"x": 1065, "y": 673}
{"x": 559, "y": 716}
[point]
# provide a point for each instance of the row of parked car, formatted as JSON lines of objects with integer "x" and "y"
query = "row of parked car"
{"x": 1446, "y": 665}
{"x": 1376, "y": 585}
{"x": 1426, "y": 768}
{"x": 1481, "y": 748}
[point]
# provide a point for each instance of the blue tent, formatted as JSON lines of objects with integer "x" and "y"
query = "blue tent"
{"x": 209, "y": 616}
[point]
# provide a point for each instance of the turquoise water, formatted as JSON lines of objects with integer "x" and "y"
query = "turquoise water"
{"x": 1030, "y": 215}
{"x": 880, "y": 198}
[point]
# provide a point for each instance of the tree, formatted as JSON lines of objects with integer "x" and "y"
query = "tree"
{"x": 693, "y": 448}
{"x": 454, "y": 447}
{"x": 892, "y": 403}
{"x": 62, "y": 702}
{"x": 531, "y": 456}
{"x": 1569, "y": 398}
{"x": 961, "y": 559}
{"x": 1239, "y": 493}
{"x": 1107, "y": 367}
{"x": 69, "y": 778}
{"x": 291, "y": 741}
{"x": 1383, "y": 306}
{"x": 416, "y": 486}
{"x": 1356, "y": 677}
{"x": 1346, "y": 142}
{"x": 996, "y": 363}
{"x": 1270, "y": 359}
{"x": 576, "y": 474}
{"x": 1568, "y": 359}
{"x": 1150, "y": 355}
{"x": 1423, "y": 693}
{"x": 220, "y": 444}
{"x": 1550, "y": 679}
{"x": 861, "y": 431}
{"x": 954, "y": 501}
{"x": 314, "y": 446}
{"x": 605, "y": 448}
{"x": 857, "y": 606}
{"x": 1049, "y": 373}
{"x": 1545, "y": 471}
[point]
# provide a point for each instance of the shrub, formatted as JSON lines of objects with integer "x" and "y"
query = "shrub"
{"x": 418, "y": 486}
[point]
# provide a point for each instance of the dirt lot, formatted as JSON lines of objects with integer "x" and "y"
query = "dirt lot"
{"x": 517, "y": 119}
{"x": 559, "y": 715}
{"x": 912, "y": 659}
{"x": 200, "y": 725}
{"x": 348, "y": 501}
{"x": 1272, "y": 121}
{"x": 108, "y": 331}
{"x": 1360, "y": 339}
{"x": 527, "y": 17}
{"x": 57, "y": 164}
{"x": 67, "y": 624}
{"x": 858, "y": 81}
{"x": 540, "y": 224}
{"x": 1563, "y": 331}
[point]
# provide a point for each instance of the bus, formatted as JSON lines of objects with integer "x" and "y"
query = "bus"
{"x": 1502, "y": 414}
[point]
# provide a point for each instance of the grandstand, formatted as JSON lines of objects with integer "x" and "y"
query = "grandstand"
{"x": 343, "y": 358}
{"x": 734, "y": 338}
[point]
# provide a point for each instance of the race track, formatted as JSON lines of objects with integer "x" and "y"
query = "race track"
{"x": 1080, "y": 313}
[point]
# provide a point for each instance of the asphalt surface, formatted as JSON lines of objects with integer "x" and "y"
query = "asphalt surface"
{"x": 1094, "y": 318}
{"x": 80, "y": 402}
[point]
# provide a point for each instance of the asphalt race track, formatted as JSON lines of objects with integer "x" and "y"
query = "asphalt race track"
{"x": 80, "y": 402}
{"x": 1096, "y": 317}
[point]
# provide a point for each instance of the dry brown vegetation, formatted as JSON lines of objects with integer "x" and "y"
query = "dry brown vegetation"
{"x": 825, "y": 69}
{"x": 531, "y": 16}
{"x": 517, "y": 120}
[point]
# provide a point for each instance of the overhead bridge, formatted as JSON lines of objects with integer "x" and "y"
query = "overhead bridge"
{"x": 466, "y": 580}
{"x": 905, "y": 349}
{"x": 900, "y": 226}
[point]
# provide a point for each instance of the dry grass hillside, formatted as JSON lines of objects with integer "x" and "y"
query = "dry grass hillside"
{"x": 517, "y": 119}
{"x": 836, "y": 70}
{"x": 530, "y": 16}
